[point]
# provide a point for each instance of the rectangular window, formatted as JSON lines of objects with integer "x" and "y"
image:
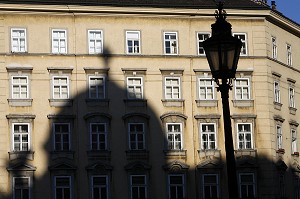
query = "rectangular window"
{"x": 289, "y": 54}
{"x": 274, "y": 48}
{"x": 138, "y": 187}
{"x": 61, "y": 136}
{"x": 247, "y": 185}
{"x": 170, "y": 43}
{"x": 176, "y": 186}
{"x": 18, "y": 40}
{"x": 62, "y": 187}
{"x": 59, "y": 41}
{"x": 134, "y": 87}
{"x": 243, "y": 38}
{"x": 95, "y": 38}
{"x": 292, "y": 102}
{"x": 96, "y": 87}
{"x": 98, "y": 136}
{"x": 136, "y": 133}
{"x": 201, "y": 37}
{"x": 21, "y": 187}
{"x": 210, "y": 186}
{"x": 276, "y": 92}
{"x": 21, "y": 137}
{"x": 245, "y": 140}
{"x": 133, "y": 42}
{"x": 100, "y": 187}
{"x": 279, "y": 136}
{"x": 19, "y": 87}
{"x": 242, "y": 89}
{"x": 206, "y": 89}
{"x": 60, "y": 87}
{"x": 294, "y": 141}
{"x": 208, "y": 136}
{"x": 172, "y": 88}
{"x": 174, "y": 136}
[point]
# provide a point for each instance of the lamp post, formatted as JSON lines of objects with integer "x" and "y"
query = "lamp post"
{"x": 222, "y": 51}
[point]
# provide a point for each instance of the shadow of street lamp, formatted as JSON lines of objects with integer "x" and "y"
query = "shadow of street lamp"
{"x": 222, "y": 51}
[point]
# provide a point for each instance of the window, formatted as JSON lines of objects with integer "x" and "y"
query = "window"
{"x": 19, "y": 87}
{"x": 279, "y": 136}
{"x": 294, "y": 141}
{"x": 133, "y": 42}
{"x": 200, "y": 38}
{"x": 60, "y": 87}
{"x": 245, "y": 140}
{"x": 98, "y": 136}
{"x": 247, "y": 185}
{"x": 174, "y": 136}
{"x": 21, "y": 187}
{"x": 176, "y": 186}
{"x": 172, "y": 88}
{"x": 242, "y": 89}
{"x": 274, "y": 48}
{"x": 100, "y": 187}
{"x": 61, "y": 136}
{"x": 210, "y": 186}
{"x": 18, "y": 40}
{"x": 138, "y": 187}
{"x": 59, "y": 41}
{"x": 62, "y": 187}
{"x": 276, "y": 92}
{"x": 289, "y": 54}
{"x": 95, "y": 38}
{"x": 134, "y": 87}
{"x": 206, "y": 89}
{"x": 136, "y": 135}
{"x": 21, "y": 137}
{"x": 96, "y": 87}
{"x": 243, "y": 38}
{"x": 208, "y": 136}
{"x": 292, "y": 102}
{"x": 170, "y": 43}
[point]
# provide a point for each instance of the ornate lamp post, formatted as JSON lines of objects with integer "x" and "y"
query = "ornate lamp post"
{"x": 222, "y": 51}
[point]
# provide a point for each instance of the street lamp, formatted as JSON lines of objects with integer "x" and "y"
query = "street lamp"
{"x": 222, "y": 51}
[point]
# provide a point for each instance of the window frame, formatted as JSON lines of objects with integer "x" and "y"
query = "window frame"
{"x": 199, "y": 41}
{"x": 97, "y": 86}
{"x": 60, "y": 86}
{"x": 70, "y": 186}
{"x": 289, "y": 59}
{"x": 22, "y": 188}
{"x": 277, "y": 97}
{"x": 173, "y": 51}
{"x": 138, "y": 186}
{"x": 279, "y": 143}
{"x": 60, "y": 39}
{"x": 133, "y": 40}
{"x": 208, "y": 137}
{"x": 294, "y": 140}
{"x": 98, "y": 134}
{"x": 274, "y": 47}
{"x": 106, "y": 186}
{"x": 61, "y": 149}
{"x": 21, "y": 142}
{"x": 248, "y": 86}
{"x": 19, "y": 86}
{"x": 94, "y": 40}
{"x": 141, "y": 85}
{"x": 174, "y": 133}
{"x": 292, "y": 100}
{"x": 244, "y": 141}
{"x": 136, "y": 140}
{"x": 217, "y": 184}
{"x": 244, "y": 42}
{"x": 172, "y": 86}
{"x": 18, "y": 38}
{"x": 245, "y": 184}
{"x": 182, "y": 185}
{"x": 206, "y": 87}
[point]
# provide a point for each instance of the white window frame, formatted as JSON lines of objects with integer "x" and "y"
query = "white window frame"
{"x": 289, "y": 60}
{"x": 100, "y": 187}
{"x": 277, "y": 91}
{"x": 292, "y": 100}
{"x": 20, "y": 134}
{"x": 138, "y": 186}
{"x": 244, "y": 50}
{"x": 61, "y": 140}
{"x": 182, "y": 185}
{"x": 208, "y": 134}
{"x": 134, "y": 86}
{"x": 206, "y": 88}
{"x": 63, "y": 187}
{"x": 294, "y": 140}
{"x": 98, "y": 87}
{"x": 134, "y": 143}
{"x": 244, "y": 133}
{"x": 95, "y": 44}
{"x": 21, "y": 188}
{"x": 169, "y": 43}
{"x": 210, "y": 185}
{"x": 135, "y": 49}
{"x": 19, "y": 86}
{"x": 173, "y": 87}
{"x": 19, "y": 39}
{"x": 204, "y": 36}
{"x": 173, "y": 143}
{"x": 274, "y": 47}
{"x": 243, "y": 88}
{"x": 247, "y": 184}
{"x": 60, "y": 41}
{"x": 98, "y": 135}
{"x": 278, "y": 129}
{"x": 60, "y": 86}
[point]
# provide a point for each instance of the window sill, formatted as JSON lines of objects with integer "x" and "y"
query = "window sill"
{"x": 97, "y": 102}
{"x": 277, "y": 105}
{"x": 62, "y": 154}
{"x": 295, "y": 154}
{"x": 280, "y": 151}
{"x": 178, "y": 154}
{"x": 21, "y": 155}
{"x": 137, "y": 154}
{"x": 60, "y": 102}
{"x": 135, "y": 102}
{"x": 245, "y": 153}
{"x": 209, "y": 154}
{"x": 20, "y": 102}
{"x": 207, "y": 103}
{"x": 99, "y": 154}
{"x": 173, "y": 102}
{"x": 292, "y": 110}
{"x": 243, "y": 103}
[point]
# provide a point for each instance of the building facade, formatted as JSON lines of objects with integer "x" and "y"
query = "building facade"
{"x": 110, "y": 99}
